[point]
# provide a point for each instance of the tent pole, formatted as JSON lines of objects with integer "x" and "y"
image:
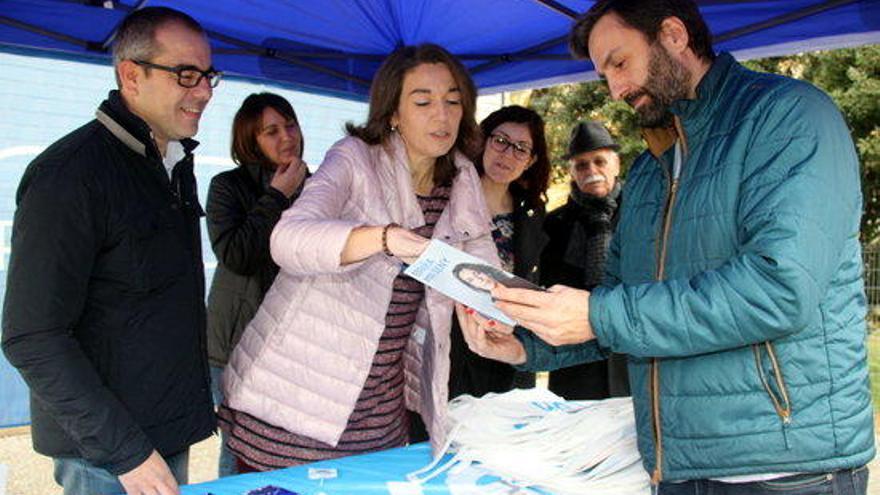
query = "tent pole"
{"x": 278, "y": 55}
{"x": 251, "y": 49}
{"x": 558, "y": 7}
{"x": 735, "y": 33}
{"x": 112, "y": 36}
{"x": 530, "y": 51}
{"x": 314, "y": 54}
{"x": 88, "y": 45}
{"x": 504, "y": 59}
{"x": 373, "y": 57}
{"x": 779, "y": 20}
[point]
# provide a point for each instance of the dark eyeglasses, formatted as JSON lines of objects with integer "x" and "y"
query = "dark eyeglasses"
{"x": 499, "y": 143}
{"x": 187, "y": 75}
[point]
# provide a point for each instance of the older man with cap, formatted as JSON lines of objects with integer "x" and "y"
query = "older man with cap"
{"x": 580, "y": 232}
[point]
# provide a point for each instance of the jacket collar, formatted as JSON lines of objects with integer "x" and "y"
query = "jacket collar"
{"x": 659, "y": 139}
{"x": 130, "y": 129}
{"x": 261, "y": 175}
{"x": 693, "y": 114}
{"x": 709, "y": 93}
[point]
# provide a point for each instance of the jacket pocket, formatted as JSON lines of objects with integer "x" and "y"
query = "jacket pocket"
{"x": 773, "y": 382}
{"x": 802, "y": 484}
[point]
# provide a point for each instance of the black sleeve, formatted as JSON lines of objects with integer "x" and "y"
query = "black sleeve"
{"x": 240, "y": 233}
{"x": 57, "y": 234}
{"x": 552, "y": 257}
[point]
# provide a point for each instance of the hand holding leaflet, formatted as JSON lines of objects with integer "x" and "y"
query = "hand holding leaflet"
{"x": 464, "y": 278}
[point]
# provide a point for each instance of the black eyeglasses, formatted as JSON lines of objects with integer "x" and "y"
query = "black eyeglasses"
{"x": 499, "y": 143}
{"x": 187, "y": 75}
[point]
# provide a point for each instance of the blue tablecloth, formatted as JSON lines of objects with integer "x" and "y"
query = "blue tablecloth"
{"x": 365, "y": 474}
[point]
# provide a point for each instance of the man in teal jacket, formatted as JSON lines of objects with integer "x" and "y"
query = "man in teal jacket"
{"x": 735, "y": 276}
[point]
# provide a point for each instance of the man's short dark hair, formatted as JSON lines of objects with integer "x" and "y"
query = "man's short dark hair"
{"x": 136, "y": 36}
{"x": 647, "y": 17}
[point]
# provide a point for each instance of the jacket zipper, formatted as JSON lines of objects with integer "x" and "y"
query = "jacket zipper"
{"x": 182, "y": 205}
{"x": 657, "y": 475}
{"x": 781, "y": 404}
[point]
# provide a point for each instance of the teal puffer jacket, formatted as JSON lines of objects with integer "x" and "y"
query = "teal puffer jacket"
{"x": 746, "y": 327}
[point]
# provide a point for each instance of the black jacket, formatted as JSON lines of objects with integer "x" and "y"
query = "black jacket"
{"x": 578, "y": 263}
{"x": 469, "y": 373}
{"x": 579, "y": 233}
{"x": 104, "y": 314}
{"x": 242, "y": 209}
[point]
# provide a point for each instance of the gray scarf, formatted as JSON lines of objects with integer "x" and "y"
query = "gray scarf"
{"x": 591, "y": 233}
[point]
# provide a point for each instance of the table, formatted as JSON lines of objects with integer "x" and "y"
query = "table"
{"x": 365, "y": 474}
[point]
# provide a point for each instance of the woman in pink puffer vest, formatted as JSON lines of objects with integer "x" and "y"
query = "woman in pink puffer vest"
{"x": 344, "y": 344}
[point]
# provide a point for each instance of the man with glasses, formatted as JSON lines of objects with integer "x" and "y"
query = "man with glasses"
{"x": 579, "y": 233}
{"x": 104, "y": 314}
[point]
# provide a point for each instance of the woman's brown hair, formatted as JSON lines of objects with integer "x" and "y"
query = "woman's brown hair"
{"x": 246, "y": 126}
{"x": 533, "y": 183}
{"x": 385, "y": 92}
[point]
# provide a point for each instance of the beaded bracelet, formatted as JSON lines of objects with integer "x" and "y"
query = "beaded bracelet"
{"x": 385, "y": 238}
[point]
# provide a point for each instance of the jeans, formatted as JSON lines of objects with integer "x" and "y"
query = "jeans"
{"x": 845, "y": 482}
{"x": 226, "y": 464}
{"x": 78, "y": 477}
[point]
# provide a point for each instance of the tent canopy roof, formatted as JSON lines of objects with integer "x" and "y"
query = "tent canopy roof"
{"x": 335, "y": 46}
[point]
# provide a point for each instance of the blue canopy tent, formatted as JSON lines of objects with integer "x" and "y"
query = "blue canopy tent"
{"x": 334, "y": 46}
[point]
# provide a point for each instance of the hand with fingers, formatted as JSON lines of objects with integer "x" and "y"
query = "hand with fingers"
{"x": 559, "y": 316}
{"x": 489, "y": 338}
{"x": 405, "y": 244}
{"x": 289, "y": 177}
{"x": 151, "y": 477}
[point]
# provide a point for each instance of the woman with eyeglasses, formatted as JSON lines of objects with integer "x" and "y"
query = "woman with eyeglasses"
{"x": 514, "y": 174}
{"x": 244, "y": 204}
{"x": 345, "y": 344}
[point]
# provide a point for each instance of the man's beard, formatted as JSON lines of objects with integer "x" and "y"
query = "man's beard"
{"x": 668, "y": 80}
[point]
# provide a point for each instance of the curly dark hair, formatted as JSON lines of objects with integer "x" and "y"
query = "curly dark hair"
{"x": 532, "y": 184}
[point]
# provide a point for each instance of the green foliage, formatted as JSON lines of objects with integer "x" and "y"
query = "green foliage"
{"x": 563, "y": 106}
{"x": 850, "y": 76}
{"x": 873, "y": 344}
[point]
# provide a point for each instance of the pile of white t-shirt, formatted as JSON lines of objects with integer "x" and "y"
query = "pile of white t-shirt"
{"x": 534, "y": 439}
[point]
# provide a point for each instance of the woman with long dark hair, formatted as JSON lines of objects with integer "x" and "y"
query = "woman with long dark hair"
{"x": 344, "y": 343}
{"x": 514, "y": 174}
